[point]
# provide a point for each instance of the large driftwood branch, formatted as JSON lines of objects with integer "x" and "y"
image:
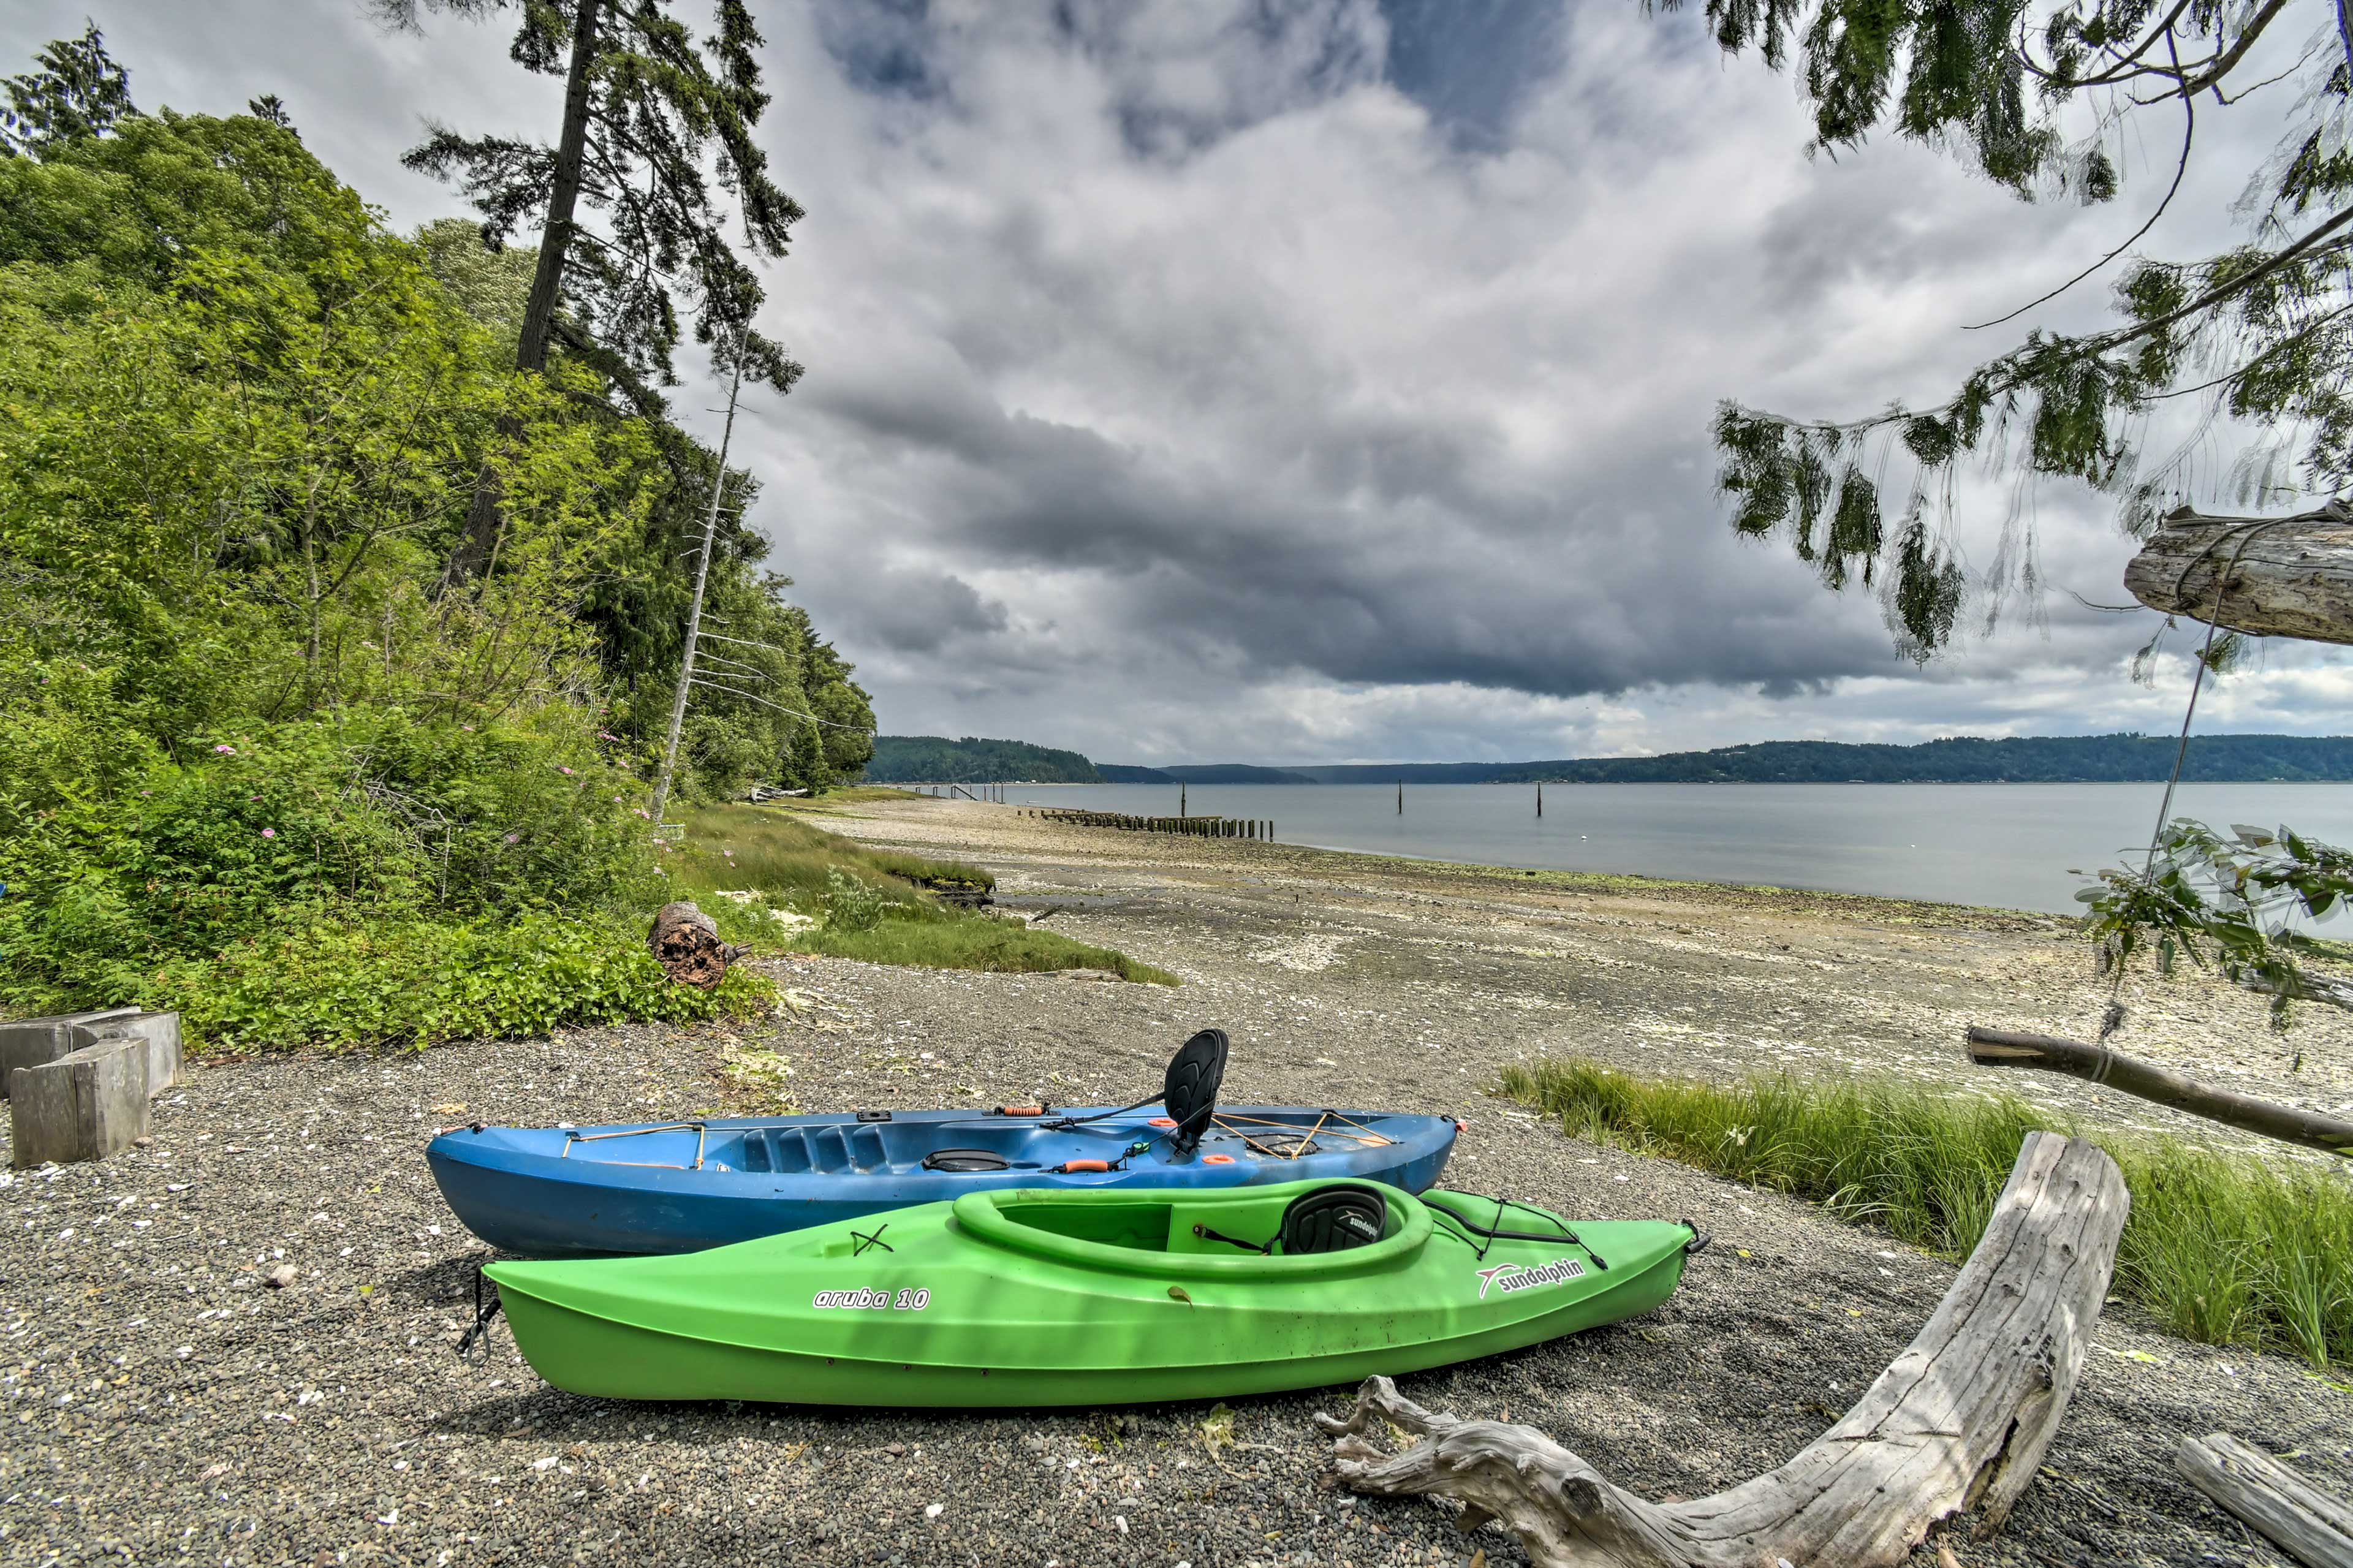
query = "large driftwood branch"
{"x": 1958, "y": 1423}
{"x": 688, "y": 946}
{"x": 2308, "y": 1524}
{"x": 2098, "y": 1064}
{"x": 2289, "y": 578}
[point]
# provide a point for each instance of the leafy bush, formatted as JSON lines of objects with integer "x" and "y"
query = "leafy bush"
{"x": 849, "y": 904}
{"x": 415, "y": 982}
{"x": 2222, "y": 1250}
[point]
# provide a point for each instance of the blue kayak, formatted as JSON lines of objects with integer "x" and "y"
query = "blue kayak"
{"x": 680, "y": 1186}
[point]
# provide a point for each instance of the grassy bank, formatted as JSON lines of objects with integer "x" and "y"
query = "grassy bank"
{"x": 844, "y": 899}
{"x": 2222, "y": 1250}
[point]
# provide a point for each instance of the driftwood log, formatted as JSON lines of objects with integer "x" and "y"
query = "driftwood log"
{"x": 689, "y": 948}
{"x": 2308, "y": 1524}
{"x": 1958, "y": 1423}
{"x": 2098, "y": 1064}
{"x": 2290, "y": 577}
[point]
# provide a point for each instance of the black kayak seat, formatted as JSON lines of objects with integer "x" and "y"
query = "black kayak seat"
{"x": 1333, "y": 1219}
{"x": 1189, "y": 1091}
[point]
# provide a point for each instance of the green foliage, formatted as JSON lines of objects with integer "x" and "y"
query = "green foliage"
{"x": 254, "y": 763}
{"x": 934, "y": 758}
{"x": 2222, "y": 1250}
{"x": 976, "y": 942}
{"x": 78, "y": 93}
{"x": 2259, "y": 330}
{"x": 866, "y": 902}
{"x": 850, "y": 905}
{"x": 658, "y": 105}
{"x": 2233, "y": 904}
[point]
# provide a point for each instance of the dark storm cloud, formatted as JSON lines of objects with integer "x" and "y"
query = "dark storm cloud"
{"x": 1318, "y": 379}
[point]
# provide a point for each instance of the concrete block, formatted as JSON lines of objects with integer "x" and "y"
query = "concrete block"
{"x": 161, "y": 1031}
{"x": 83, "y": 1106}
{"x": 29, "y": 1042}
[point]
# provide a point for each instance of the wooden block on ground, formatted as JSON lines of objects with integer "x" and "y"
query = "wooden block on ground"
{"x": 161, "y": 1031}
{"x": 29, "y": 1042}
{"x": 83, "y": 1106}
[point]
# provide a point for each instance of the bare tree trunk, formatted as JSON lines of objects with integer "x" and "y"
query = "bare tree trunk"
{"x": 2098, "y": 1064}
{"x": 1958, "y": 1423}
{"x": 473, "y": 550}
{"x": 2289, "y": 576}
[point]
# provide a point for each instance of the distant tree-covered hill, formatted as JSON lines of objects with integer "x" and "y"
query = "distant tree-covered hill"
{"x": 2068, "y": 758}
{"x": 934, "y": 758}
{"x": 1123, "y": 773}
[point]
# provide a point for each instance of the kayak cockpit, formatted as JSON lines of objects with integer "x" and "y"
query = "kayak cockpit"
{"x": 1212, "y": 1233}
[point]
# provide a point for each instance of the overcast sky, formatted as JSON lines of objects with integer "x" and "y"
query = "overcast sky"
{"x": 1322, "y": 380}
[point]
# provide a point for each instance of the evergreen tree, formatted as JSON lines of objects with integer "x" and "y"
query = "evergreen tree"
{"x": 78, "y": 93}
{"x": 2044, "y": 101}
{"x": 649, "y": 116}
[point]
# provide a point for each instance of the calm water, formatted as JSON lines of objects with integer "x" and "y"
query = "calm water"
{"x": 2005, "y": 845}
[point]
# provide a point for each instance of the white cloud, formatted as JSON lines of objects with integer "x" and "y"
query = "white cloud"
{"x": 1183, "y": 387}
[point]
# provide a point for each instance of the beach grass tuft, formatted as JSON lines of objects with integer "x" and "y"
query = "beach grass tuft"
{"x": 2220, "y": 1249}
{"x": 878, "y": 905}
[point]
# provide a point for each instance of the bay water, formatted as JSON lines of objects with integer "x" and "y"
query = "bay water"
{"x": 2006, "y": 845}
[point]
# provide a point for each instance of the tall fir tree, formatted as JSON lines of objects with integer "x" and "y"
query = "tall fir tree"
{"x": 652, "y": 121}
{"x": 76, "y": 92}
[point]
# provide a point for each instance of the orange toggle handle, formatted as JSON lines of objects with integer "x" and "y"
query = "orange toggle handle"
{"x": 1086, "y": 1164}
{"x": 1162, "y": 1121}
{"x": 1020, "y": 1111}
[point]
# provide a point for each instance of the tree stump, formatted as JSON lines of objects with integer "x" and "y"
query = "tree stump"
{"x": 688, "y": 946}
{"x": 1958, "y": 1423}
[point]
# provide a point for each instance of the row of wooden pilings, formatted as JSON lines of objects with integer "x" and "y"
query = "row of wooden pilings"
{"x": 1192, "y": 826}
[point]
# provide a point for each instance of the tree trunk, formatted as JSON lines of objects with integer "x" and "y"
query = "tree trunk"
{"x": 688, "y": 946}
{"x": 2098, "y": 1064}
{"x": 2308, "y": 1524}
{"x": 473, "y": 551}
{"x": 1958, "y": 1423}
{"x": 2290, "y": 576}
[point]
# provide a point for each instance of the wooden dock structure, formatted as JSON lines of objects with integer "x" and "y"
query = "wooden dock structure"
{"x": 1190, "y": 827}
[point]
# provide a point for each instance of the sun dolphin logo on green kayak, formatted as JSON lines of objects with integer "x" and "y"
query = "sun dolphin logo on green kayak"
{"x": 1519, "y": 1277}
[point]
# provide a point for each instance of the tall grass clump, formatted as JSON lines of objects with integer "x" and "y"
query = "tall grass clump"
{"x": 875, "y": 905}
{"x": 2221, "y": 1249}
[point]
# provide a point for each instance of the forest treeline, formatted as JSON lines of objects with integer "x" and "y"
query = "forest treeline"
{"x": 264, "y": 756}
{"x": 2048, "y": 759}
{"x": 935, "y": 759}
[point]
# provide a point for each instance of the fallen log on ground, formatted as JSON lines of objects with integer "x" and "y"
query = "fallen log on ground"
{"x": 2287, "y": 576}
{"x": 688, "y": 946}
{"x": 2308, "y": 1524}
{"x": 1958, "y": 1423}
{"x": 2098, "y": 1064}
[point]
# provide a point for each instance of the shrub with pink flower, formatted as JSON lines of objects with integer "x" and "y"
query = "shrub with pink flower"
{"x": 225, "y": 749}
{"x": 270, "y": 833}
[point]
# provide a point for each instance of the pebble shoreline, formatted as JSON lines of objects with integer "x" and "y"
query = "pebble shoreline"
{"x": 165, "y": 1404}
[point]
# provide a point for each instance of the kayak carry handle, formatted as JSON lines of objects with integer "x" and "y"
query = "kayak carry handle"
{"x": 1070, "y": 1165}
{"x": 1699, "y": 1239}
{"x": 1019, "y": 1110}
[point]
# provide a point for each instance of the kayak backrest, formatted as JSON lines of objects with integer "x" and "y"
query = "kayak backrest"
{"x": 1333, "y": 1219}
{"x": 1189, "y": 1091}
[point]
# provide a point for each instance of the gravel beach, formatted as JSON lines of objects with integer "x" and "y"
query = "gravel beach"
{"x": 167, "y": 1403}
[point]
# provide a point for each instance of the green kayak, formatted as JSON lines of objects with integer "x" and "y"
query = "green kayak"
{"x": 1030, "y": 1297}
